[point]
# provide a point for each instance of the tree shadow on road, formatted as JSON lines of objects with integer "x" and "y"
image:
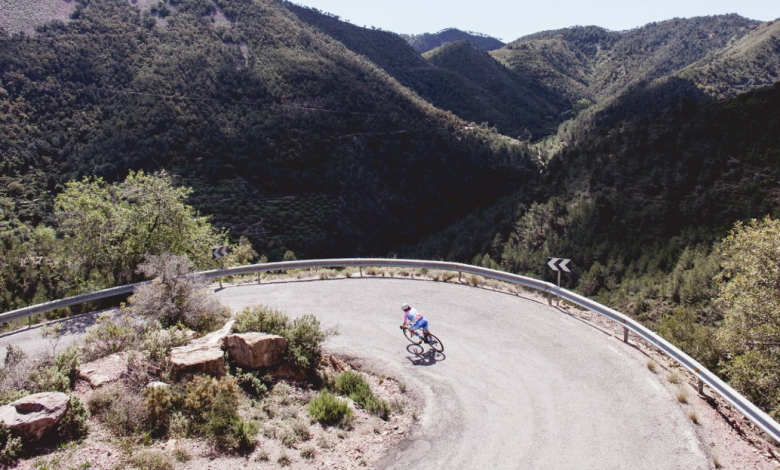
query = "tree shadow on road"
{"x": 421, "y": 358}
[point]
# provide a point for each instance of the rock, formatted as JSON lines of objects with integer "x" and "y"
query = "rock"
{"x": 197, "y": 359}
{"x": 333, "y": 363}
{"x": 33, "y": 416}
{"x": 157, "y": 384}
{"x": 253, "y": 350}
{"x": 104, "y": 371}
{"x": 203, "y": 355}
{"x": 216, "y": 338}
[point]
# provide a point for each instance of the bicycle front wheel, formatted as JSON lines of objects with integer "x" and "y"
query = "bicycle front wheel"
{"x": 414, "y": 339}
{"x": 435, "y": 343}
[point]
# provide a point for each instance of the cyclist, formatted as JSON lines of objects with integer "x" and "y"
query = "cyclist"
{"x": 416, "y": 320}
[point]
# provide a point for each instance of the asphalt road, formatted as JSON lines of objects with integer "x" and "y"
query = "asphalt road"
{"x": 521, "y": 385}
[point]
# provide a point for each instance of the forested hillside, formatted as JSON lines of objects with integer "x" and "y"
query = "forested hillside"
{"x": 594, "y": 64}
{"x": 429, "y": 41}
{"x": 288, "y": 137}
{"x": 638, "y": 204}
{"x": 457, "y": 77}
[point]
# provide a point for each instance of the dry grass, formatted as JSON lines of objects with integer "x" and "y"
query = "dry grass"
{"x": 152, "y": 459}
{"x": 693, "y": 416}
{"x": 652, "y": 366}
{"x": 674, "y": 378}
{"x": 681, "y": 394}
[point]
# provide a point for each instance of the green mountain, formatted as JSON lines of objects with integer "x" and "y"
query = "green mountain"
{"x": 744, "y": 64}
{"x": 457, "y": 77}
{"x": 425, "y": 42}
{"x": 288, "y": 137}
{"x": 595, "y": 64}
{"x": 634, "y": 195}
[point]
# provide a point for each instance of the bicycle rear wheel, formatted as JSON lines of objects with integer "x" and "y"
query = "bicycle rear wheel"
{"x": 411, "y": 336}
{"x": 435, "y": 343}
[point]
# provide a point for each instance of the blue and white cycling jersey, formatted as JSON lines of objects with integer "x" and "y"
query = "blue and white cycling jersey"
{"x": 416, "y": 319}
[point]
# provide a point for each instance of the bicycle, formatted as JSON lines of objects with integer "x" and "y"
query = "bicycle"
{"x": 428, "y": 338}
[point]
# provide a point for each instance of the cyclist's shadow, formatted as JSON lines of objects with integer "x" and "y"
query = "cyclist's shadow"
{"x": 422, "y": 358}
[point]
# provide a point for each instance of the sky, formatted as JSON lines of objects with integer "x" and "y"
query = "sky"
{"x": 511, "y": 19}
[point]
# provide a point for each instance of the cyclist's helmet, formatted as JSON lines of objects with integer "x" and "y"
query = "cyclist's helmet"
{"x": 405, "y": 307}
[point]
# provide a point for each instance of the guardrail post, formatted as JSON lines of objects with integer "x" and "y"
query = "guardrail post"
{"x": 625, "y": 334}
{"x": 258, "y": 277}
{"x": 361, "y": 270}
{"x": 700, "y": 387}
{"x": 460, "y": 278}
{"x": 549, "y": 298}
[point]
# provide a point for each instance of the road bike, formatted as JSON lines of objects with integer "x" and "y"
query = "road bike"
{"x": 427, "y": 338}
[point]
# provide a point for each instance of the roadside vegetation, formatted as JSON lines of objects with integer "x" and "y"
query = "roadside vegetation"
{"x": 292, "y": 406}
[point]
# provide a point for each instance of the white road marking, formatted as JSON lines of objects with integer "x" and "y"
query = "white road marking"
{"x": 613, "y": 350}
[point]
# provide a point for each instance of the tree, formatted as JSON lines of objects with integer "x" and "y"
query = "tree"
{"x": 176, "y": 295}
{"x": 749, "y": 296}
{"x": 108, "y": 229}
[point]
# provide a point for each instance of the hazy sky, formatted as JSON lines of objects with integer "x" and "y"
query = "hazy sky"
{"x": 509, "y": 20}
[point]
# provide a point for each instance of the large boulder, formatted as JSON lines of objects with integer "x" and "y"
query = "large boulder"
{"x": 202, "y": 356}
{"x": 253, "y": 350}
{"x": 104, "y": 370}
{"x": 33, "y": 416}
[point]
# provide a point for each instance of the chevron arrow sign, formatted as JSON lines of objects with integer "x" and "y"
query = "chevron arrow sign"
{"x": 219, "y": 252}
{"x": 559, "y": 264}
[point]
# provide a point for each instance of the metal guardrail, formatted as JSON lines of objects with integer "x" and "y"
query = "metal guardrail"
{"x": 748, "y": 409}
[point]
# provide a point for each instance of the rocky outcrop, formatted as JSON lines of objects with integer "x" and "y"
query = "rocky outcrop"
{"x": 332, "y": 362}
{"x": 202, "y": 356}
{"x": 33, "y": 416}
{"x": 253, "y": 350}
{"x": 104, "y": 371}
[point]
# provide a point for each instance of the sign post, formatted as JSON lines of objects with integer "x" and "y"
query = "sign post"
{"x": 218, "y": 253}
{"x": 559, "y": 265}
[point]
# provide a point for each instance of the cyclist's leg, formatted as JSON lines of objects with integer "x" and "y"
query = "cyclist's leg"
{"x": 416, "y": 327}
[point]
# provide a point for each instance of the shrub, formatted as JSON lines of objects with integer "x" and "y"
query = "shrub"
{"x": 152, "y": 459}
{"x": 108, "y": 337}
{"x": 357, "y": 389}
{"x": 250, "y": 382}
{"x": 157, "y": 403}
{"x": 176, "y": 295}
{"x": 73, "y": 425}
{"x": 324, "y": 442}
{"x": 67, "y": 363}
{"x": 308, "y": 451}
{"x": 47, "y": 378}
{"x": 179, "y": 425}
{"x": 121, "y": 411}
{"x": 301, "y": 429}
{"x": 682, "y": 329}
{"x": 304, "y": 337}
{"x": 181, "y": 453}
{"x": 284, "y": 460}
{"x": 10, "y": 446}
{"x": 213, "y": 408}
{"x": 158, "y": 342}
{"x": 329, "y": 409}
{"x": 287, "y": 437}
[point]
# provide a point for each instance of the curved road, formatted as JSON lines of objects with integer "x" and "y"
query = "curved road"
{"x": 521, "y": 386}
